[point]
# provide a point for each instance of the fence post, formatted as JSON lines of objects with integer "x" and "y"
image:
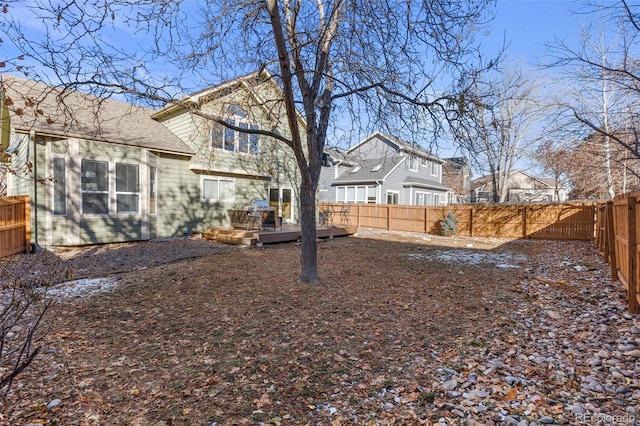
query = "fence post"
{"x": 27, "y": 225}
{"x": 610, "y": 238}
{"x": 471, "y": 221}
{"x": 426, "y": 216}
{"x": 524, "y": 223}
{"x": 633, "y": 258}
{"x": 388, "y": 217}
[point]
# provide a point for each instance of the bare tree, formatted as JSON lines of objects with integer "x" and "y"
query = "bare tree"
{"x": 496, "y": 128}
{"x": 575, "y": 164}
{"x": 602, "y": 76}
{"x": 388, "y": 63}
{"x": 592, "y": 99}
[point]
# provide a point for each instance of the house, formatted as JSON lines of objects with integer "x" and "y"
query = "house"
{"x": 456, "y": 175}
{"x": 522, "y": 188}
{"x": 100, "y": 170}
{"x": 383, "y": 169}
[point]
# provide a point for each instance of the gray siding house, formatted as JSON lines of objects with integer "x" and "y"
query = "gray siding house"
{"x": 383, "y": 169}
{"x": 99, "y": 170}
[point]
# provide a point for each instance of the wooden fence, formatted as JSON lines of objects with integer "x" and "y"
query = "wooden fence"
{"x": 618, "y": 240}
{"x": 15, "y": 225}
{"x": 534, "y": 221}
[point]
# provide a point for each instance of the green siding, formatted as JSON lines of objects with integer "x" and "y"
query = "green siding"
{"x": 109, "y": 229}
{"x": 21, "y": 178}
{"x": 180, "y": 206}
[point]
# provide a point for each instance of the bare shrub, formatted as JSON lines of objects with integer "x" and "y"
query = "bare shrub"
{"x": 23, "y": 307}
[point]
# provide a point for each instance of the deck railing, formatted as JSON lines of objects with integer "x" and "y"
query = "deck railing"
{"x": 15, "y": 225}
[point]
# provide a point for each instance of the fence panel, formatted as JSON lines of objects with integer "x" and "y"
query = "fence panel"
{"x": 498, "y": 221}
{"x": 372, "y": 216}
{"x": 15, "y": 225}
{"x": 407, "y": 218}
{"x": 547, "y": 221}
{"x": 560, "y": 222}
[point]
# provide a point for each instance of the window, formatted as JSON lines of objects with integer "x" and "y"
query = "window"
{"x": 443, "y": 199}
{"x": 435, "y": 167}
{"x": 95, "y": 187}
{"x": 413, "y": 163}
{"x": 153, "y": 190}
{"x": 356, "y": 194}
{"x": 59, "y": 186}
{"x": 217, "y": 189}
{"x": 392, "y": 197}
{"x": 371, "y": 195}
{"x": 217, "y": 130}
{"x": 230, "y": 137}
{"x": 254, "y": 141}
{"x": 243, "y": 138}
{"x": 236, "y": 141}
{"x": 127, "y": 189}
{"x": 423, "y": 198}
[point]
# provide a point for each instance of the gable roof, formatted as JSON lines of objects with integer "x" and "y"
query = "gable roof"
{"x": 482, "y": 180}
{"x": 55, "y": 111}
{"x": 248, "y": 82}
{"x": 399, "y": 144}
{"x": 339, "y": 157}
{"x": 369, "y": 170}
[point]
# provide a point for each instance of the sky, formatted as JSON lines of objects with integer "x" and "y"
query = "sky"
{"x": 526, "y": 28}
{"x": 527, "y": 25}
{"x": 524, "y": 25}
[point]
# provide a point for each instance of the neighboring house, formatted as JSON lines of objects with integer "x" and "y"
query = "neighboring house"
{"x": 383, "y": 169}
{"x": 522, "y": 188}
{"x": 456, "y": 175}
{"x": 99, "y": 170}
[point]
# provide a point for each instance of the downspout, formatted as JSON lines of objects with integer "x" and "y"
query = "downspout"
{"x": 32, "y": 135}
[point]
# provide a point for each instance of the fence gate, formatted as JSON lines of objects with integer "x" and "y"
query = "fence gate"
{"x": 15, "y": 225}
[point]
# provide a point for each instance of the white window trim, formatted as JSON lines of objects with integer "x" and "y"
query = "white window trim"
{"x": 53, "y": 189}
{"x": 434, "y": 166}
{"x": 116, "y": 192}
{"x": 237, "y": 121}
{"x": 389, "y": 191}
{"x": 110, "y": 188}
{"x": 413, "y": 160}
{"x": 153, "y": 185}
{"x": 355, "y": 188}
{"x": 219, "y": 179}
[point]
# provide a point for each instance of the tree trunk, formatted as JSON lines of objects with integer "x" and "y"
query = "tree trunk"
{"x": 309, "y": 246}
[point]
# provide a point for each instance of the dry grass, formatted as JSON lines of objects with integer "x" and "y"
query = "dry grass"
{"x": 234, "y": 339}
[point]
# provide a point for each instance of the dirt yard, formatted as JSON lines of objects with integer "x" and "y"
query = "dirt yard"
{"x": 403, "y": 329}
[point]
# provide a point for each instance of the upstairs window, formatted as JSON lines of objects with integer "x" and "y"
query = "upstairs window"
{"x": 235, "y": 140}
{"x": 413, "y": 163}
{"x": 435, "y": 168}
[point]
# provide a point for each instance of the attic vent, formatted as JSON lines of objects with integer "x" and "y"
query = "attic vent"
{"x": 376, "y": 168}
{"x": 355, "y": 169}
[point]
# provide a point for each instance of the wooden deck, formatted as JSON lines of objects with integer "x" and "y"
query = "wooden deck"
{"x": 288, "y": 233}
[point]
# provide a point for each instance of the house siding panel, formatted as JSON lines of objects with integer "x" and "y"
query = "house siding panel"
{"x": 109, "y": 229}
{"x": 375, "y": 148}
{"x": 18, "y": 182}
{"x": 180, "y": 206}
